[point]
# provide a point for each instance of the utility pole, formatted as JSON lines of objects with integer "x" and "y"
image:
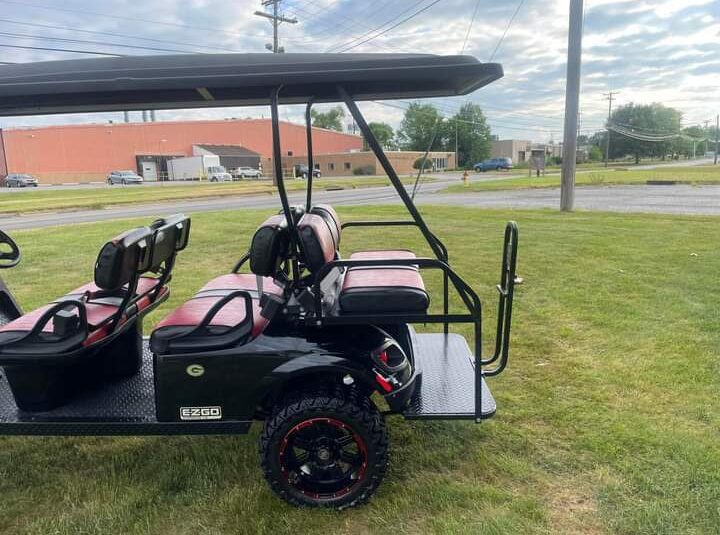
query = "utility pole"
{"x": 572, "y": 103}
{"x": 707, "y": 135}
{"x": 717, "y": 136}
{"x": 609, "y": 97}
{"x": 275, "y": 19}
{"x": 457, "y": 163}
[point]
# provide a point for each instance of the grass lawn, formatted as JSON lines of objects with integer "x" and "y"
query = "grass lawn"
{"x": 608, "y": 414}
{"x": 52, "y": 199}
{"x": 686, "y": 175}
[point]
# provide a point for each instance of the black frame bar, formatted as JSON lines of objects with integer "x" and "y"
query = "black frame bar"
{"x": 310, "y": 164}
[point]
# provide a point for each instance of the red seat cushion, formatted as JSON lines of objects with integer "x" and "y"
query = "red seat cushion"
{"x": 383, "y": 289}
{"x": 99, "y": 312}
{"x": 192, "y": 312}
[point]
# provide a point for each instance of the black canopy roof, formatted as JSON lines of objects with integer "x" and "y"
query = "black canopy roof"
{"x": 208, "y": 80}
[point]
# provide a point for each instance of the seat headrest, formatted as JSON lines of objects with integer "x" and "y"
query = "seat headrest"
{"x": 123, "y": 257}
{"x": 316, "y": 241}
{"x": 331, "y": 218}
{"x": 170, "y": 235}
{"x": 270, "y": 246}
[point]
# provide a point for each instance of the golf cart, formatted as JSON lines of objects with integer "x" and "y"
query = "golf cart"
{"x": 295, "y": 335}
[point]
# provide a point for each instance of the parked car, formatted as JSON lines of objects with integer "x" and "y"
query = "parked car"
{"x": 246, "y": 172}
{"x": 494, "y": 164}
{"x": 301, "y": 171}
{"x": 124, "y": 177}
{"x": 217, "y": 173}
{"x": 20, "y": 180}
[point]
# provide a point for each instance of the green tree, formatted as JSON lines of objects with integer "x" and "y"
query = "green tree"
{"x": 653, "y": 119}
{"x": 385, "y": 135}
{"x": 596, "y": 154}
{"x": 473, "y": 135}
{"x": 420, "y": 123}
{"x": 331, "y": 119}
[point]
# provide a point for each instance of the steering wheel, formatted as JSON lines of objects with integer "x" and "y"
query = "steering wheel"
{"x": 8, "y": 258}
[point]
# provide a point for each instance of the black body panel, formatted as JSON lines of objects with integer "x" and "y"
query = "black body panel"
{"x": 125, "y": 407}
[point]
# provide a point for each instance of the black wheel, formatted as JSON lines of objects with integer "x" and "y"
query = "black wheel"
{"x": 325, "y": 448}
{"x": 110, "y": 182}
{"x": 304, "y": 175}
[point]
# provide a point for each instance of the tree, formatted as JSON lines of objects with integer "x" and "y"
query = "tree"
{"x": 473, "y": 135}
{"x": 331, "y": 119}
{"x": 385, "y": 135}
{"x": 420, "y": 123}
{"x": 644, "y": 119}
{"x": 595, "y": 154}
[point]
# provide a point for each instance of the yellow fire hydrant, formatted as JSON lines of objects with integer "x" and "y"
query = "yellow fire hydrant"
{"x": 466, "y": 178}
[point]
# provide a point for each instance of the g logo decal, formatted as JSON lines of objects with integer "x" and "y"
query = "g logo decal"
{"x": 195, "y": 370}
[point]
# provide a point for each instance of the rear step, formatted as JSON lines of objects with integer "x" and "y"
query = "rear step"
{"x": 447, "y": 387}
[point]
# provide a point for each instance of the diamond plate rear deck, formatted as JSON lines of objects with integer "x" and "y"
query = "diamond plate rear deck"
{"x": 125, "y": 407}
{"x": 447, "y": 389}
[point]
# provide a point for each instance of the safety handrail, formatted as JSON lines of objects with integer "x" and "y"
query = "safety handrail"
{"x": 506, "y": 290}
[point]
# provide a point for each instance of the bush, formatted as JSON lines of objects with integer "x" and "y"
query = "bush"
{"x": 364, "y": 170}
{"x": 420, "y": 161}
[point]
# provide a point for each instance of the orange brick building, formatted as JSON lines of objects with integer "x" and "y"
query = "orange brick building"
{"x": 87, "y": 152}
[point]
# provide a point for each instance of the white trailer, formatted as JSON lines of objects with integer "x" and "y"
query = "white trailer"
{"x": 193, "y": 167}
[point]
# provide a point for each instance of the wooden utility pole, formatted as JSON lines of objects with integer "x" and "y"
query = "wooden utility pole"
{"x": 717, "y": 136}
{"x": 275, "y": 20}
{"x": 609, "y": 97}
{"x": 572, "y": 103}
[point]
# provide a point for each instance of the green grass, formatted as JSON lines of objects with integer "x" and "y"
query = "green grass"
{"x": 608, "y": 418}
{"x": 685, "y": 175}
{"x": 93, "y": 198}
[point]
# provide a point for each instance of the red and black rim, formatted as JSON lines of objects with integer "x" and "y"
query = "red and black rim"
{"x": 323, "y": 458}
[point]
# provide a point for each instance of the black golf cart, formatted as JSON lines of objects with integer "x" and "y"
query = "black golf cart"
{"x": 295, "y": 335}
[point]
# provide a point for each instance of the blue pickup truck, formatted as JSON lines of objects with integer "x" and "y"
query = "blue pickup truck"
{"x": 494, "y": 164}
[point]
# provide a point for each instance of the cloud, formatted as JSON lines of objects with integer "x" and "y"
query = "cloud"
{"x": 648, "y": 50}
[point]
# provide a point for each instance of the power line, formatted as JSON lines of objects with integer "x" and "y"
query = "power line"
{"x": 472, "y": 20}
{"x": 111, "y": 34}
{"x": 103, "y": 43}
{"x": 347, "y": 48}
{"x": 120, "y": 17}
{"x": 502, "y": 37}
{"x": 92, "y": 52}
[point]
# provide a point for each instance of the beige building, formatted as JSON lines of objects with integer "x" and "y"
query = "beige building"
{"x": 346, "y": 163}
{"x": 517, "y": 150}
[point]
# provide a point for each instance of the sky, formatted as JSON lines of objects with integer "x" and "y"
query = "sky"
{"x": 665, "y": 51}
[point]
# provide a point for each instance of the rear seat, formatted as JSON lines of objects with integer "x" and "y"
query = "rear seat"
{"x": 118, "y": 293}
{"x": 93, "y": 333}
{"x": 364, "y": 290}
{"x": 231, "y": 309}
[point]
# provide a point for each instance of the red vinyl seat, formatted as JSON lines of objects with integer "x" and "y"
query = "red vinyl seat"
{"x": 182, "y": 330}
{"x": 383, "y": 289}
{"x": 99, "y": 310}
{"x": 364, "y": 289}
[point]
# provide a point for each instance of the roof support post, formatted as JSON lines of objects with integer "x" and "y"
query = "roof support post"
{"x": 310, "y": 164}
{"x": 387, "y": 166}
{"x": 277, "y": 164}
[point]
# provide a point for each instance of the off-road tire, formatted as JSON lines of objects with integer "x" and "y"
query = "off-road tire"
{"x": 346, "y": 405}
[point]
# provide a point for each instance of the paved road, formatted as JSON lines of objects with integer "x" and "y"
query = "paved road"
{"x": 679, "y": 199}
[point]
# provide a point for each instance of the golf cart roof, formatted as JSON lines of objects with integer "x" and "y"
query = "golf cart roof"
{"x": 215, "y": 80}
